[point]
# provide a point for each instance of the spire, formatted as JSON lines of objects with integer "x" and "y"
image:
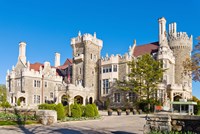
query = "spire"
{"x": 95, "y": 35}
{"x": 162, "y": 29}
{"x": 79, "y": 33}
{"x": 22, "y": 52}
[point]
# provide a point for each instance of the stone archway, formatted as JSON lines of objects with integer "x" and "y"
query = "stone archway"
{"x": 78, "y": 99}
{"x": 177, "y": 98}
{"x": 22, "y": 100}
{"x": 90, "y": 100}
{"x": 64, "y": 100}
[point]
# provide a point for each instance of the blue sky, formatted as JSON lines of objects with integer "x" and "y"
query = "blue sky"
{"x": 47, "y": 26}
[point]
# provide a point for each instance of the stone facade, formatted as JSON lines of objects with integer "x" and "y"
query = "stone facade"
{"x": 88, "y": 77}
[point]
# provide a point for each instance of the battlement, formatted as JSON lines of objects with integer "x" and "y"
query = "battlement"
{"x": 115, "y": 58}
{"x": 179, "y": 39}
{"x": 86, "y": 37}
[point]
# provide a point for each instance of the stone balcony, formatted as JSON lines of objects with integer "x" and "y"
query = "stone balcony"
{"x": 79, "y": 58}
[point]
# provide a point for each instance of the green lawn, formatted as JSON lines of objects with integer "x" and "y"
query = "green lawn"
{"x": 5, "y": 123}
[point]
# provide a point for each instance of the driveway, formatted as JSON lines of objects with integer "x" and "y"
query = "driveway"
{"x": 124, "y": 124}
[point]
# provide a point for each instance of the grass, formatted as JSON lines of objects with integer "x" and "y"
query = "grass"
{"x": 6, "y": 123}
{"x": 81, "y": 118}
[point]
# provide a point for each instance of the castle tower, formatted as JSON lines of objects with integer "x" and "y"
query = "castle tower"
{"x": 86, "y": 55}
{"x": 57, "y": 59}
{"x": 181, "y": 45}
{"x": 165, "y": 54}
{"x": 162, "y": 30}
{"x": 22, "y": 52}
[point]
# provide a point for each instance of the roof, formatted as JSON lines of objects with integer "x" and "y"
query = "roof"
{"x": 146, "y": 49}
{"x": 183, "y": 103}
{"x": 36, "y": 66}
{"x": 65, "y": 65}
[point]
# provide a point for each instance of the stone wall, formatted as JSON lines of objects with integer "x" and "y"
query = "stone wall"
{"x": 170, "y": 122}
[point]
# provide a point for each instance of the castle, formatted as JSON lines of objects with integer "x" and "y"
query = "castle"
{"x": 88, "y": 77}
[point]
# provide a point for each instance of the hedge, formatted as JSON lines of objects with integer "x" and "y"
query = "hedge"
{"x": 60, "y": 111}
{"x": 89, "y": 110}
{"x": 96, "y": 112}
{"x": 47, "y": 106}
{"x": 76, "y": 111}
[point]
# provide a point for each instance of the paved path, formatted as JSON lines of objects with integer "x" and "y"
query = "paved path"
{"x": 131, "y": 124}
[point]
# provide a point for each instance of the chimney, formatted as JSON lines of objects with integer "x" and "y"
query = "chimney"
{"x": 57, "y": 59}
{"x": 22, "y": 52}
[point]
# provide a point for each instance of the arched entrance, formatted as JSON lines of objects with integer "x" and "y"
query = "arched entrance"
{"x": 90, "y": 100}
{"x": 78, "y": 99}
{"x": 64, "y": 100}
{"x": 22, "y": 100}
{"x": 177, "y": 98}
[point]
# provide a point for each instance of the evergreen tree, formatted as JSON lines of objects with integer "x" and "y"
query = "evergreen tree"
{"x": 145, "y": 75}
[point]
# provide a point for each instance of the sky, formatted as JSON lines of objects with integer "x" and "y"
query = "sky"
{"x": 48, "y": 25}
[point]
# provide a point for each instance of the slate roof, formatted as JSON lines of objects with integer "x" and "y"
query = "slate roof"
{"x": 146, "y": 49}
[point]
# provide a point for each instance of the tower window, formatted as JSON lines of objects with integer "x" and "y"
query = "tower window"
{"x": 80, "y": 70}
{"x": 91, "y": 56}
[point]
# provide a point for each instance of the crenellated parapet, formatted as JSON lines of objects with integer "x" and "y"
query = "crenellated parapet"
{"x": 180, "y": 40}
{"x": 115, "y": 58}
{"x": 86, "y": 37}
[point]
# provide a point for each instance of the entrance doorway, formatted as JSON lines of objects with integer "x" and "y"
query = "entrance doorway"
{"x": 64, "y": 100}
{"x": 78, "y": 99}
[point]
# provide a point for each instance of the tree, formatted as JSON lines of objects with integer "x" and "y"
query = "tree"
{"x": 2, "y": 93}
{"x": 193, "y": 64}
{"x": 145, "y": 75}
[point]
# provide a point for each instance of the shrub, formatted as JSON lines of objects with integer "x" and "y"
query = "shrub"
{"x": 60, "y": 111}
{"x": 76, "y": 111}
{"x": 66, "y": 110}
{"x": 18, "y": 102}
{"x": 96, "y": 112}
{"x": 82, "y": 110}
{"x": 89, "y": 111}
{"x": 5, "y": 104}
{"x": 47, "y": 106}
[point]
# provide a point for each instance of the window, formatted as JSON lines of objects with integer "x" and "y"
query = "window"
{"x": 38, "y": 99}
{"x": 80, "y": 70}
{"x": 117, "y": 97}
{"x": 51, "y": 94}
{"x": 106, "y": 86}
{"x": 45, "y": 99}
{"x": 91, "y": 56}
{"x": 36, "y": 83}
{"x": 107, "y": 69}
{"x": 35, "y": 99}
{"x": 45, "y": 84}
{"x": 18, "y": 83}
{"x": 115, "y": 68}
{"x": 95, "y": 57}
{"x": 131, "y": 96}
